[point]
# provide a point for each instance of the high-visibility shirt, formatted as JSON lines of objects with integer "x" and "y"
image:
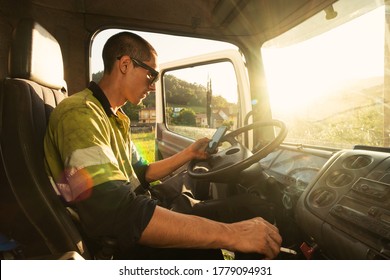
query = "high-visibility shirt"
{"x": 90, "y": 156}
{"x": 86, "y": 144}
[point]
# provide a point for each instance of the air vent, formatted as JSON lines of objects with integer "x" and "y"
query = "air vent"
{"x": 357, "y": 161}
{"x": 322, "y": 197}
{"x": 339, "y": 179}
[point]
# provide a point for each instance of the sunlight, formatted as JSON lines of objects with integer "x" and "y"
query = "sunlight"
{"x": 298, "y": 75}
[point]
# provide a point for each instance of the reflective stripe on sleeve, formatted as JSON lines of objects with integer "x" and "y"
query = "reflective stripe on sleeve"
{"x": 90, "y": 156}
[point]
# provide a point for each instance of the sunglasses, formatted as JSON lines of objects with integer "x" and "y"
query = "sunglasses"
{"x": 153, "y": 75}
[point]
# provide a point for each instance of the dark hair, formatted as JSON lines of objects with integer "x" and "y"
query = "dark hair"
{"x": 126, "y": 43}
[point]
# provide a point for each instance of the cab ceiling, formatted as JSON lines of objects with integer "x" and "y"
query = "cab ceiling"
{"x": 220, "y": 19}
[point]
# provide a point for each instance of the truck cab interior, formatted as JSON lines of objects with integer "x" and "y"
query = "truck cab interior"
{"x": 322, "y": 160}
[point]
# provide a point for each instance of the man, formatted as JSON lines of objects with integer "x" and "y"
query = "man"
{"x": 91, "y": 158}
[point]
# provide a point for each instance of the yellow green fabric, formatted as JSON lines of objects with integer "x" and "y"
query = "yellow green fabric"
{"x": 85, "y": 146}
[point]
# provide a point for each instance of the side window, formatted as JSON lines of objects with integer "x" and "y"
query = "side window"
{"x": 200, "y": 98}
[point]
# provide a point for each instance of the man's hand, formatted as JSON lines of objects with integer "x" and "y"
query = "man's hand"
{"x": 198, "y": 148}
{"x": 256, "y": 236}
{"x": 162, "y": 168}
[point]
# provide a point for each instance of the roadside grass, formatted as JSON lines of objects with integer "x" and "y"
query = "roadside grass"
{"x": 144, "y": 142}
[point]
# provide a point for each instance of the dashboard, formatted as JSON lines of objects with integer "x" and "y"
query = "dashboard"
{"x": 294, "y": 169}
{"x": 340, "y": 200}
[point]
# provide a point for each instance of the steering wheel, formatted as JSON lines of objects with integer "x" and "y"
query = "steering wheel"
{"x": 226, "y": 164}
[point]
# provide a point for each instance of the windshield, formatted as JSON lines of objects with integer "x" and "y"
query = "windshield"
{"x": 326, "y": 77}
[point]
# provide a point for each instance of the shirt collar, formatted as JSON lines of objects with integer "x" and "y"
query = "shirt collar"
{"x": 98, "y": 93}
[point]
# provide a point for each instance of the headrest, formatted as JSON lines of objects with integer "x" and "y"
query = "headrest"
{"x": 36, "y": 55}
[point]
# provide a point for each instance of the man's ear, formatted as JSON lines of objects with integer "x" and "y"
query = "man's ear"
{"x": 124, "y": 64}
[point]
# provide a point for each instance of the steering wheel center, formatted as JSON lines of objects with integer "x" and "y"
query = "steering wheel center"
{"x": 226, "y": 164}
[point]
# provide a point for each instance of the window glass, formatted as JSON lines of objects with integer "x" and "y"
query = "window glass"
{"x": 201, "y": 98}
{"x": 326, "y": 77}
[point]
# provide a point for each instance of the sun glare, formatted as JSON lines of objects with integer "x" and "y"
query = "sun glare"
{"x": 299, "y": 74}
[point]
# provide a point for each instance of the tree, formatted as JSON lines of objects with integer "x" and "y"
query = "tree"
{"x": 186, "y": 117}
{"x": 97, "y": 76}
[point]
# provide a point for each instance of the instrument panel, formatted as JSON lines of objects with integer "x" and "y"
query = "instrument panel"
{"x": 340, "y": 200}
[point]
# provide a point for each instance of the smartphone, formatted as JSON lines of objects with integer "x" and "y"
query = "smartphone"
{"x": 216, "y": 139}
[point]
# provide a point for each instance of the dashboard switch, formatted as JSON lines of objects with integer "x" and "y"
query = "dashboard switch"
{"x": 307, "y": 250}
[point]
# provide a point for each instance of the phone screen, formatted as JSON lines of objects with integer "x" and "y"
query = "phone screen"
{"x": 214, "y": 142}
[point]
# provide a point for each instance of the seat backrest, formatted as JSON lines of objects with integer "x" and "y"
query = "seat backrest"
{"x": 34, "y": 87}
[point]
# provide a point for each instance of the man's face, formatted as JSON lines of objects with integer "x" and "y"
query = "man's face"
{"x": 140, "y": 78}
